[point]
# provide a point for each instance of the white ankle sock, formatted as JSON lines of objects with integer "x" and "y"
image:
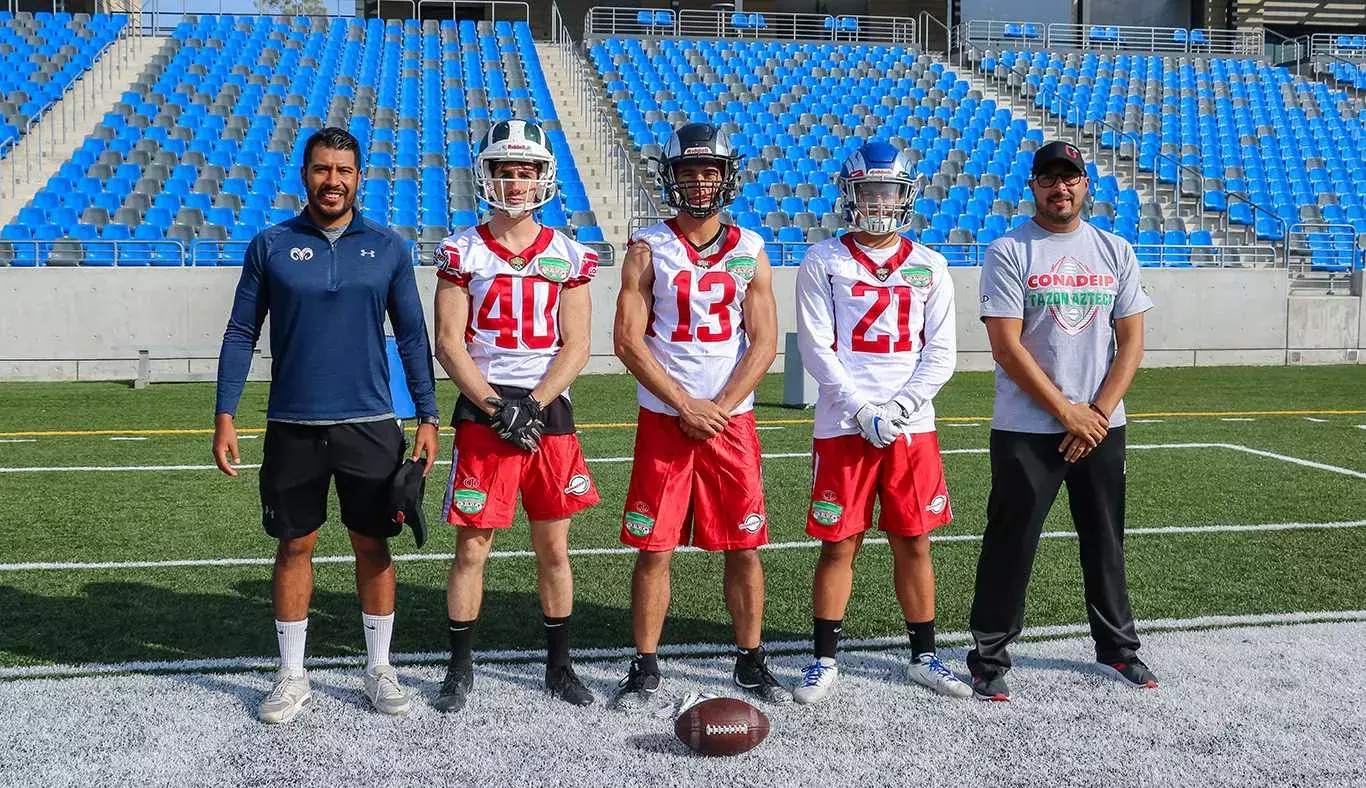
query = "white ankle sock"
{"x": 378, "y": 631}
{"x": 292, "y": 636}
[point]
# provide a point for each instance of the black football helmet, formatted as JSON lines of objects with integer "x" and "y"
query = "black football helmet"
{"x": 698, "y": 143}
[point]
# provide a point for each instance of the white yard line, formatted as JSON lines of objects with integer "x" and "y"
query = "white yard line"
{"x": 964, "y": 424}
{"x": 593, "y": 551}
{"x": 1237, "y": 419}
{"x": 1316, "y": 421}
{"x": 127, "y": 438}
{"x": 18, "y": 440}
{"x": 1146, "y": 421}
{"x": 1296, "y": 460}
{"x": 668, "y": 649}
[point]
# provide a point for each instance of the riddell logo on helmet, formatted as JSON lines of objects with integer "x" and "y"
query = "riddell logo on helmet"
{"x": 697, "y": 150}
{"x": 879, "y": 171}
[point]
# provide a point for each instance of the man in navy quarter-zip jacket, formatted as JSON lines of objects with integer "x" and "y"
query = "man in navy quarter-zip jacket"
{"x": 327, "y": 278}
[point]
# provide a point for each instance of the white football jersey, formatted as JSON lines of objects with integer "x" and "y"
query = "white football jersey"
{"x": 873, "y": 324}
{"x": 514, "y": 325}
{"x": 696, "y": 328}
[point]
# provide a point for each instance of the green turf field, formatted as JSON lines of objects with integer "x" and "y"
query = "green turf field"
{"x": 146, "y": 511}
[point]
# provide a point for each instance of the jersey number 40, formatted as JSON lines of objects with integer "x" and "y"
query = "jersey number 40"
{"x": 510, "y": 309}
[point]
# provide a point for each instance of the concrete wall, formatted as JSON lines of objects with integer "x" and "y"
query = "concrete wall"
{"x": 89, "y": 324}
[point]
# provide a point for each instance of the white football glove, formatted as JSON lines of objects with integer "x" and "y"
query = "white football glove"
{"x": 903, "y": 408}
{"x": 877, "y": 425}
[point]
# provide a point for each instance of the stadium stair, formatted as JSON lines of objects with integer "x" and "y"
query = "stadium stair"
{"x": 203, "y": 147}
{"x": 599, "y": 170}
{"x": 93, "y": 91}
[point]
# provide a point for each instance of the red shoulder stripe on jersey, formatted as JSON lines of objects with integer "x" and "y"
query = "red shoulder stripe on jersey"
{"x": 732, "y": 237}
{"x": 898, "y": 257}
{"x": 453, "y": 276}
{"x": 528, "y": 254}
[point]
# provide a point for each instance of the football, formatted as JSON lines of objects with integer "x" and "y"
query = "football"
{"x": 721, "y": 726}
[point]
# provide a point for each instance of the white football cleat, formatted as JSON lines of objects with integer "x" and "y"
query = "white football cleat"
{"x": 928, "y": 671}
{"x": 818, "y": 681}
{"x": 385, "y": 693}
{"x": 290, "y": 695}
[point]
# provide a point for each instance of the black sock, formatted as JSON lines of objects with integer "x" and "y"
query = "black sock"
{"x": 922, "y": 637}
{"x": 556, "y": 642}
{"x": 827, "y": 636}
{"x": 754, "y": 655}
{"x": 462, "y": 642}
{"x": 647, "y": 663}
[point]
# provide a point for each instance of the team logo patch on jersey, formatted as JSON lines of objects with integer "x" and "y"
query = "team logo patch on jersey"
{"x": 470, "y": 501}
{"x": 301, "y": 254}
{"x": 741, "y": 267}
{"x": 553, "y": 268}
{"x": 578, "y": 485}
{"x": 917, "y": 276}
{"x": 639, "y": 524}
{"x": 938, "y": 504}
{"x": 826, "y": 512}
{"x": 1072, "y": 292}
{"x": 752, "y": 523}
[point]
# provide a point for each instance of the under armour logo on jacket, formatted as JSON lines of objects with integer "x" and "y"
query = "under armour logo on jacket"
{"x": 367, "y": 253}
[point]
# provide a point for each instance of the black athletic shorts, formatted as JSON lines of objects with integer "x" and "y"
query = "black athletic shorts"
{"x": 300, "y": 460}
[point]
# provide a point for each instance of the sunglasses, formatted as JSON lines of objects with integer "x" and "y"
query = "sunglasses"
{"x": 1049, "y": 180}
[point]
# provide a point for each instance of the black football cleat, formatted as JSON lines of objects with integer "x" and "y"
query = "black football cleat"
{"x": 455, "y": 690}
{"x": 637, "y": 690}
{"x": 753, "y": 676}
{"x": 561, "y": 682}
{"x": 992, "y": 688}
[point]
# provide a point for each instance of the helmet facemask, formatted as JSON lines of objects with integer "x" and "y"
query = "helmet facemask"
{"x": 699, "y": 197}
{"x": 879, "y": 206}
{"x": 515, "y": 196}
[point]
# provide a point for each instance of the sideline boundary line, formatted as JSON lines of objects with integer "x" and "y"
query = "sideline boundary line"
{"x": 36, "y": 566}
{"x": 616, "y": 425}
{"x": 482, "y": 658}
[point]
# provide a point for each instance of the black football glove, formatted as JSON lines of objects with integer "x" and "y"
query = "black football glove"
{"x": 519, "y": 421}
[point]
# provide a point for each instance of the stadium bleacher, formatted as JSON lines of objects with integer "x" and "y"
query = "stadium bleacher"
{"x": 40, "y": 56}
{"x": 796, "y": 111}
{"x": 205, "y": 149}
{"x": 1291, "y": 145}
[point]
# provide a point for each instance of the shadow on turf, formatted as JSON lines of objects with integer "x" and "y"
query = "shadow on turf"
{"x": 106, "y": 622}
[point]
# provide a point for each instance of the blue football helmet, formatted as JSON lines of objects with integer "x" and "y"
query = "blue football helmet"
{"x": 878, "y": 186}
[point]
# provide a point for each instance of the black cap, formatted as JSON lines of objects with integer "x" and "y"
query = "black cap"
{"x": 405, "y": 500}
{"x": 1058, "y": 151}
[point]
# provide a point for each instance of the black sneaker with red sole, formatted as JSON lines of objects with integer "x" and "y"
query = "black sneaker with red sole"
{"x": 1133, "y": 672}
{"x": 992, "y": 688}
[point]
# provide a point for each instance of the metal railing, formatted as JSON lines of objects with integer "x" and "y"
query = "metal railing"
{"x": 1322, "y": 247}
{"x": 68, "y": 252}
{"x": 1343, "y": 46}
{"x": 200, "y": 253}
{"x": 928, "y": 23}
{"x": 605, "y": 21}
{"x": 1030, "y": 35}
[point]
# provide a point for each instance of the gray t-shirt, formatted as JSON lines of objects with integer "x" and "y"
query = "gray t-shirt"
{"x": 1068, "y": 288}
{"x": 333, "y": 233}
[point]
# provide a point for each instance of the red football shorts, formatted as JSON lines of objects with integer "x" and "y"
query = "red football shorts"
{"x": 906, "y": 477}
{"x": 487, "y": 473}
{"x": 713, "y": 488}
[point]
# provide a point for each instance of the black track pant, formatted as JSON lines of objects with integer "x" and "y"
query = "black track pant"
{"x": 1026, "y": 472}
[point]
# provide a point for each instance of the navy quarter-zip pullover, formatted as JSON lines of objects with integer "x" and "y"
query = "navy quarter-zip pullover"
{"x": 327, "y": 304}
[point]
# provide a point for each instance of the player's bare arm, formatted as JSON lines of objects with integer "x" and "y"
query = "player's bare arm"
{"x": 761, "y": 327}
{"x": 1007, "y": 350}
{"x": 698, "y": 418}
{"x": 575, "y": 318}
{"x": 452, "y": 316}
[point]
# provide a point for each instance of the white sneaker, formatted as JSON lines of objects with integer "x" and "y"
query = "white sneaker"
{"x": 290, "y": 695}
{"x": 818, "y": 681}
{"x": 928, "y": 671}
{"x": 384, "y": 692}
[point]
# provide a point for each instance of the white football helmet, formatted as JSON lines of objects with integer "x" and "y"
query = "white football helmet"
{"x": 521, "y": 141}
